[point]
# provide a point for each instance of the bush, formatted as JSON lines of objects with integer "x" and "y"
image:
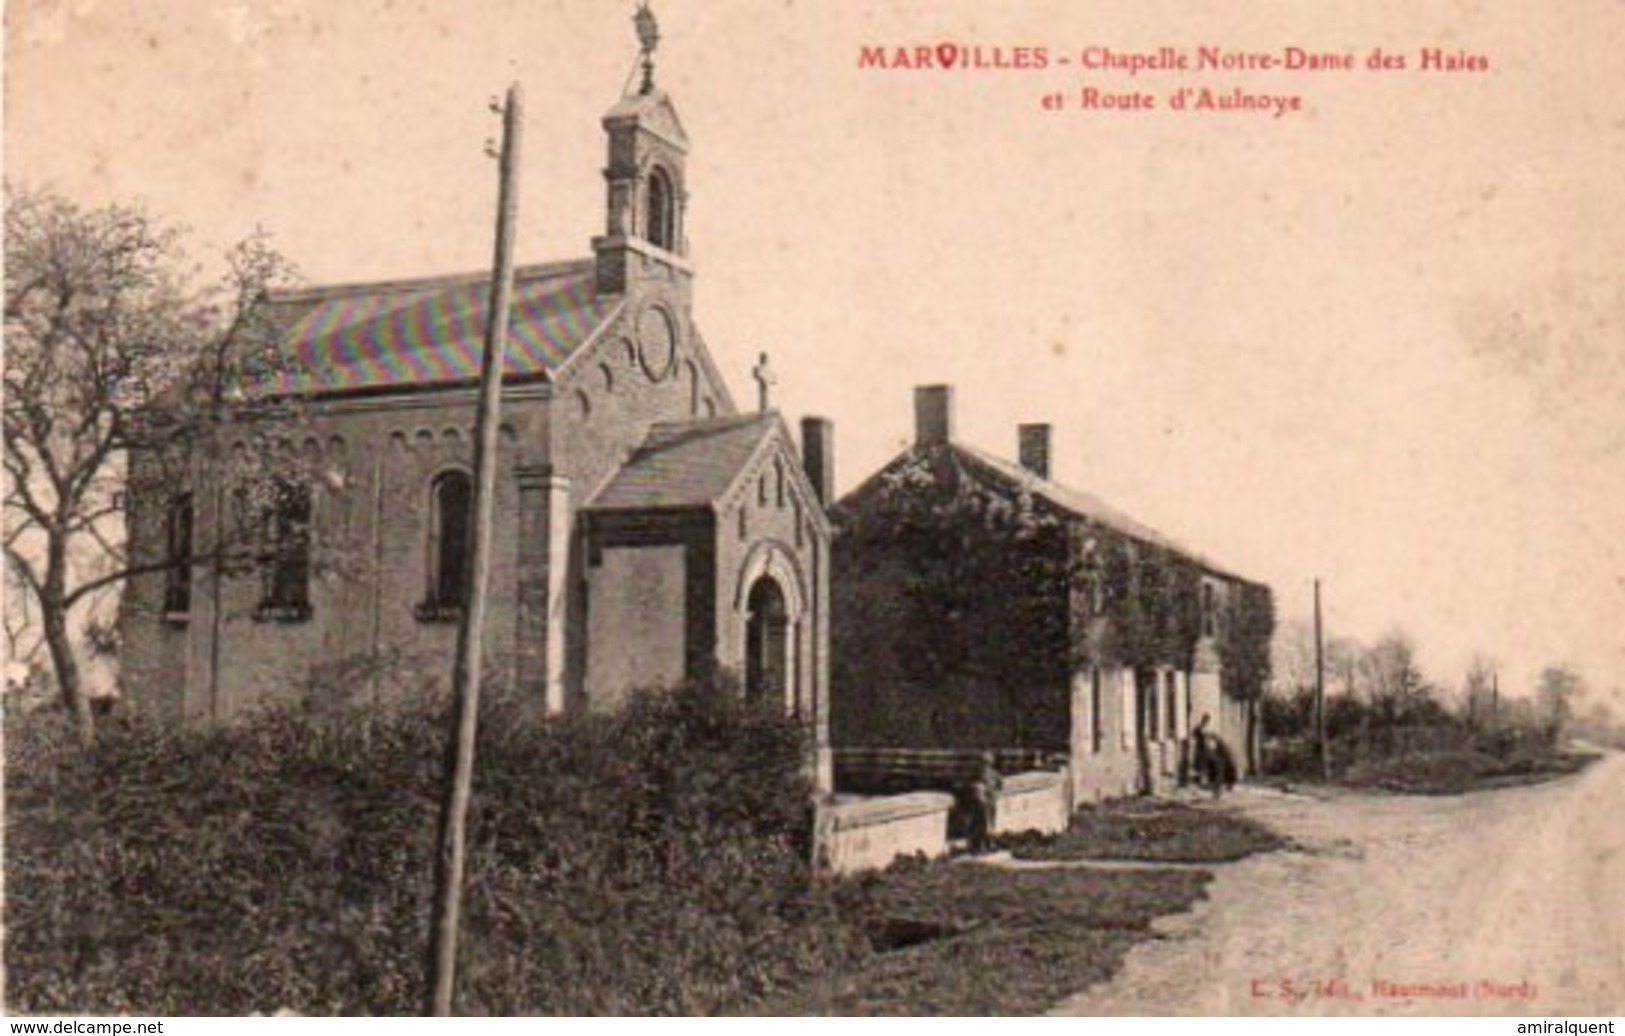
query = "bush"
{"x": 651, "y": 861}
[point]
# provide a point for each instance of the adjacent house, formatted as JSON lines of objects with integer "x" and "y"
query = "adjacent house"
{"x": 979, "y": 606}
{"x": 647, "y": 531}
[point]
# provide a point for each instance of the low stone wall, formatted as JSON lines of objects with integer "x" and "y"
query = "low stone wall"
{"x": 1037, "y": 801}
{"x": 889, "y": 771}
{"x": 867, "y": 834}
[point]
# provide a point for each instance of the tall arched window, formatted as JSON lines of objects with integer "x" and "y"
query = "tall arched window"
{"x": 451, "y": 523}
{"x": 286, "y": 570}
{"x": 662, "y": 222}
{"x": 178, "y": 577}
{"x": 767, "y": 644}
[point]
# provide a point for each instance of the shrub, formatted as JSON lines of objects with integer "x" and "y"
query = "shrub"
{"x": 650, "y": 861}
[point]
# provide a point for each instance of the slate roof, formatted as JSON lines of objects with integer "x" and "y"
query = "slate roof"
{"x": 683, "y": 464}
{"x": 1011, "y": 478}
{"x": 1079, "y": 504}
{"x": 428, "y": 332}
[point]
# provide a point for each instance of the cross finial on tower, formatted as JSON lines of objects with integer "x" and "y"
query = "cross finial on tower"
{"x": 648, "y": 39}
{"x": 765, "y": 380}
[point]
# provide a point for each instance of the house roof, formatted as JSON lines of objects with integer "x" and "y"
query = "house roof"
{"x": 1012, "y": 478}
{"x": 426, "y": 332}
{"x": 687, "y": 463}
{"x": 1083, "y": 505}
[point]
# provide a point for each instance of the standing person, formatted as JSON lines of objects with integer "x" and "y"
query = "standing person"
{"x": 1202, "y": 752}
{"x": 982, "y": 796}
{"x": 1224, "y": 767}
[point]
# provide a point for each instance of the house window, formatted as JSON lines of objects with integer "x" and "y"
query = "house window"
{"x": 1153, "y": 729}
{"x": 178, "y": 577}
{"x": 1210, "y": 619}
{"x": 1171, "y": 693}
{"x": 661, "y": 225}
{"x": 1097, "y": 733}
{"x": 1128, "y": 713}
{"x": 1094, "y": 582}
{"x": 286, "y": 559}
{"x": 451, "y": 500}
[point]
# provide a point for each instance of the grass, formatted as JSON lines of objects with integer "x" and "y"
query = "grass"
{"x": 651, "y": 862}
{"x": 1152, "y": 831}
{"x": 951, "y": 939}
{"x": 957, "y": 939}
{"x": 1455, "y": 771}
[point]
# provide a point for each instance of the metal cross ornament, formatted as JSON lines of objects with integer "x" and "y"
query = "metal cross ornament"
{"x": 766, "y": 379}
{"x": 648, "y": 39}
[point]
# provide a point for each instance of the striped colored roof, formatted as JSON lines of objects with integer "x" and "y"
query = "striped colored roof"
{"x": 686, "y": 463}
{"x": 409, "y": 333}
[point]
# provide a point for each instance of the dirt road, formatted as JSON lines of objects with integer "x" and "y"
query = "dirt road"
{"x": 1500, "y": 902}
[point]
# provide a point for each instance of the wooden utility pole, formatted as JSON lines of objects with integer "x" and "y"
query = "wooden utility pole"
{"x": 1495, "y": 697}
{"x": 1320, "y": 693}
{"x": 449, "y": 856}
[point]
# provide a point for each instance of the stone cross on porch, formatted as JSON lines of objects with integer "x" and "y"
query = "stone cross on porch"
{"x": 766, "y": 379}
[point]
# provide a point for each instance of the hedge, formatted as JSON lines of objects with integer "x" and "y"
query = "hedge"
{"x": 650, "y": 861}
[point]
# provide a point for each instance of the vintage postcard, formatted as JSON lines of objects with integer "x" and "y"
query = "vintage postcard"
{"x": 917, "y": 508}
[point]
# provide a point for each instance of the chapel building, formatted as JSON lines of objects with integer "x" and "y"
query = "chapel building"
{"x": 647, "y": 530}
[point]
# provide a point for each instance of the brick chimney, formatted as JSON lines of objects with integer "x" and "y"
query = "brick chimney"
{"x": 933, "y": 414}
{"x": 1032, "y": 442}
{"x": 818, "y": 456}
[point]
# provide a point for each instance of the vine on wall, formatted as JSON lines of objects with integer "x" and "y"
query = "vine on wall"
{"x": 989, "y": 563}
{"x": 1244, "y": 644}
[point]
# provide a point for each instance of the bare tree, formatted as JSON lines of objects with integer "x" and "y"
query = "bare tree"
{"x": 1345, "y": 660}
{"x": 1393, "y": 679}
{"x": 1478, "y": 692}
{"x": 1558, "y": 692}
{"x": 1293, "y": 657}
{"x": 109, "y": 349}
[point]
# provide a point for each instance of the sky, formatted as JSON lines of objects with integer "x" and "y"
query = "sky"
{"x": 1379, "y": 340}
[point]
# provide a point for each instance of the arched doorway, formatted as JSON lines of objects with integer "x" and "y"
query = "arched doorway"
{"x": 767, "y": 643}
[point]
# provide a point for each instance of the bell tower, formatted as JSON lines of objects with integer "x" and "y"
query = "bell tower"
{"x": 644, "y": 239}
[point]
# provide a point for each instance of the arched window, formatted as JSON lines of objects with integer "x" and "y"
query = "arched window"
{"x": 286, "y": 569}
{"x": 178, "y": 543}
{"x": 767, "y": 644}
{"x": 451, "y": 522}
{"x": 661, "y": 226}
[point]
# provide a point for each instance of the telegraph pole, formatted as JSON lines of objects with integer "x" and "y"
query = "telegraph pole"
{"x": 1495, "y": 698}
{"x": 449, "y": 856}
{"x": 1320, "y": 693}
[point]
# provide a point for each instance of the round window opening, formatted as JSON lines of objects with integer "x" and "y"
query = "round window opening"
{"x": 657, "y": 343}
